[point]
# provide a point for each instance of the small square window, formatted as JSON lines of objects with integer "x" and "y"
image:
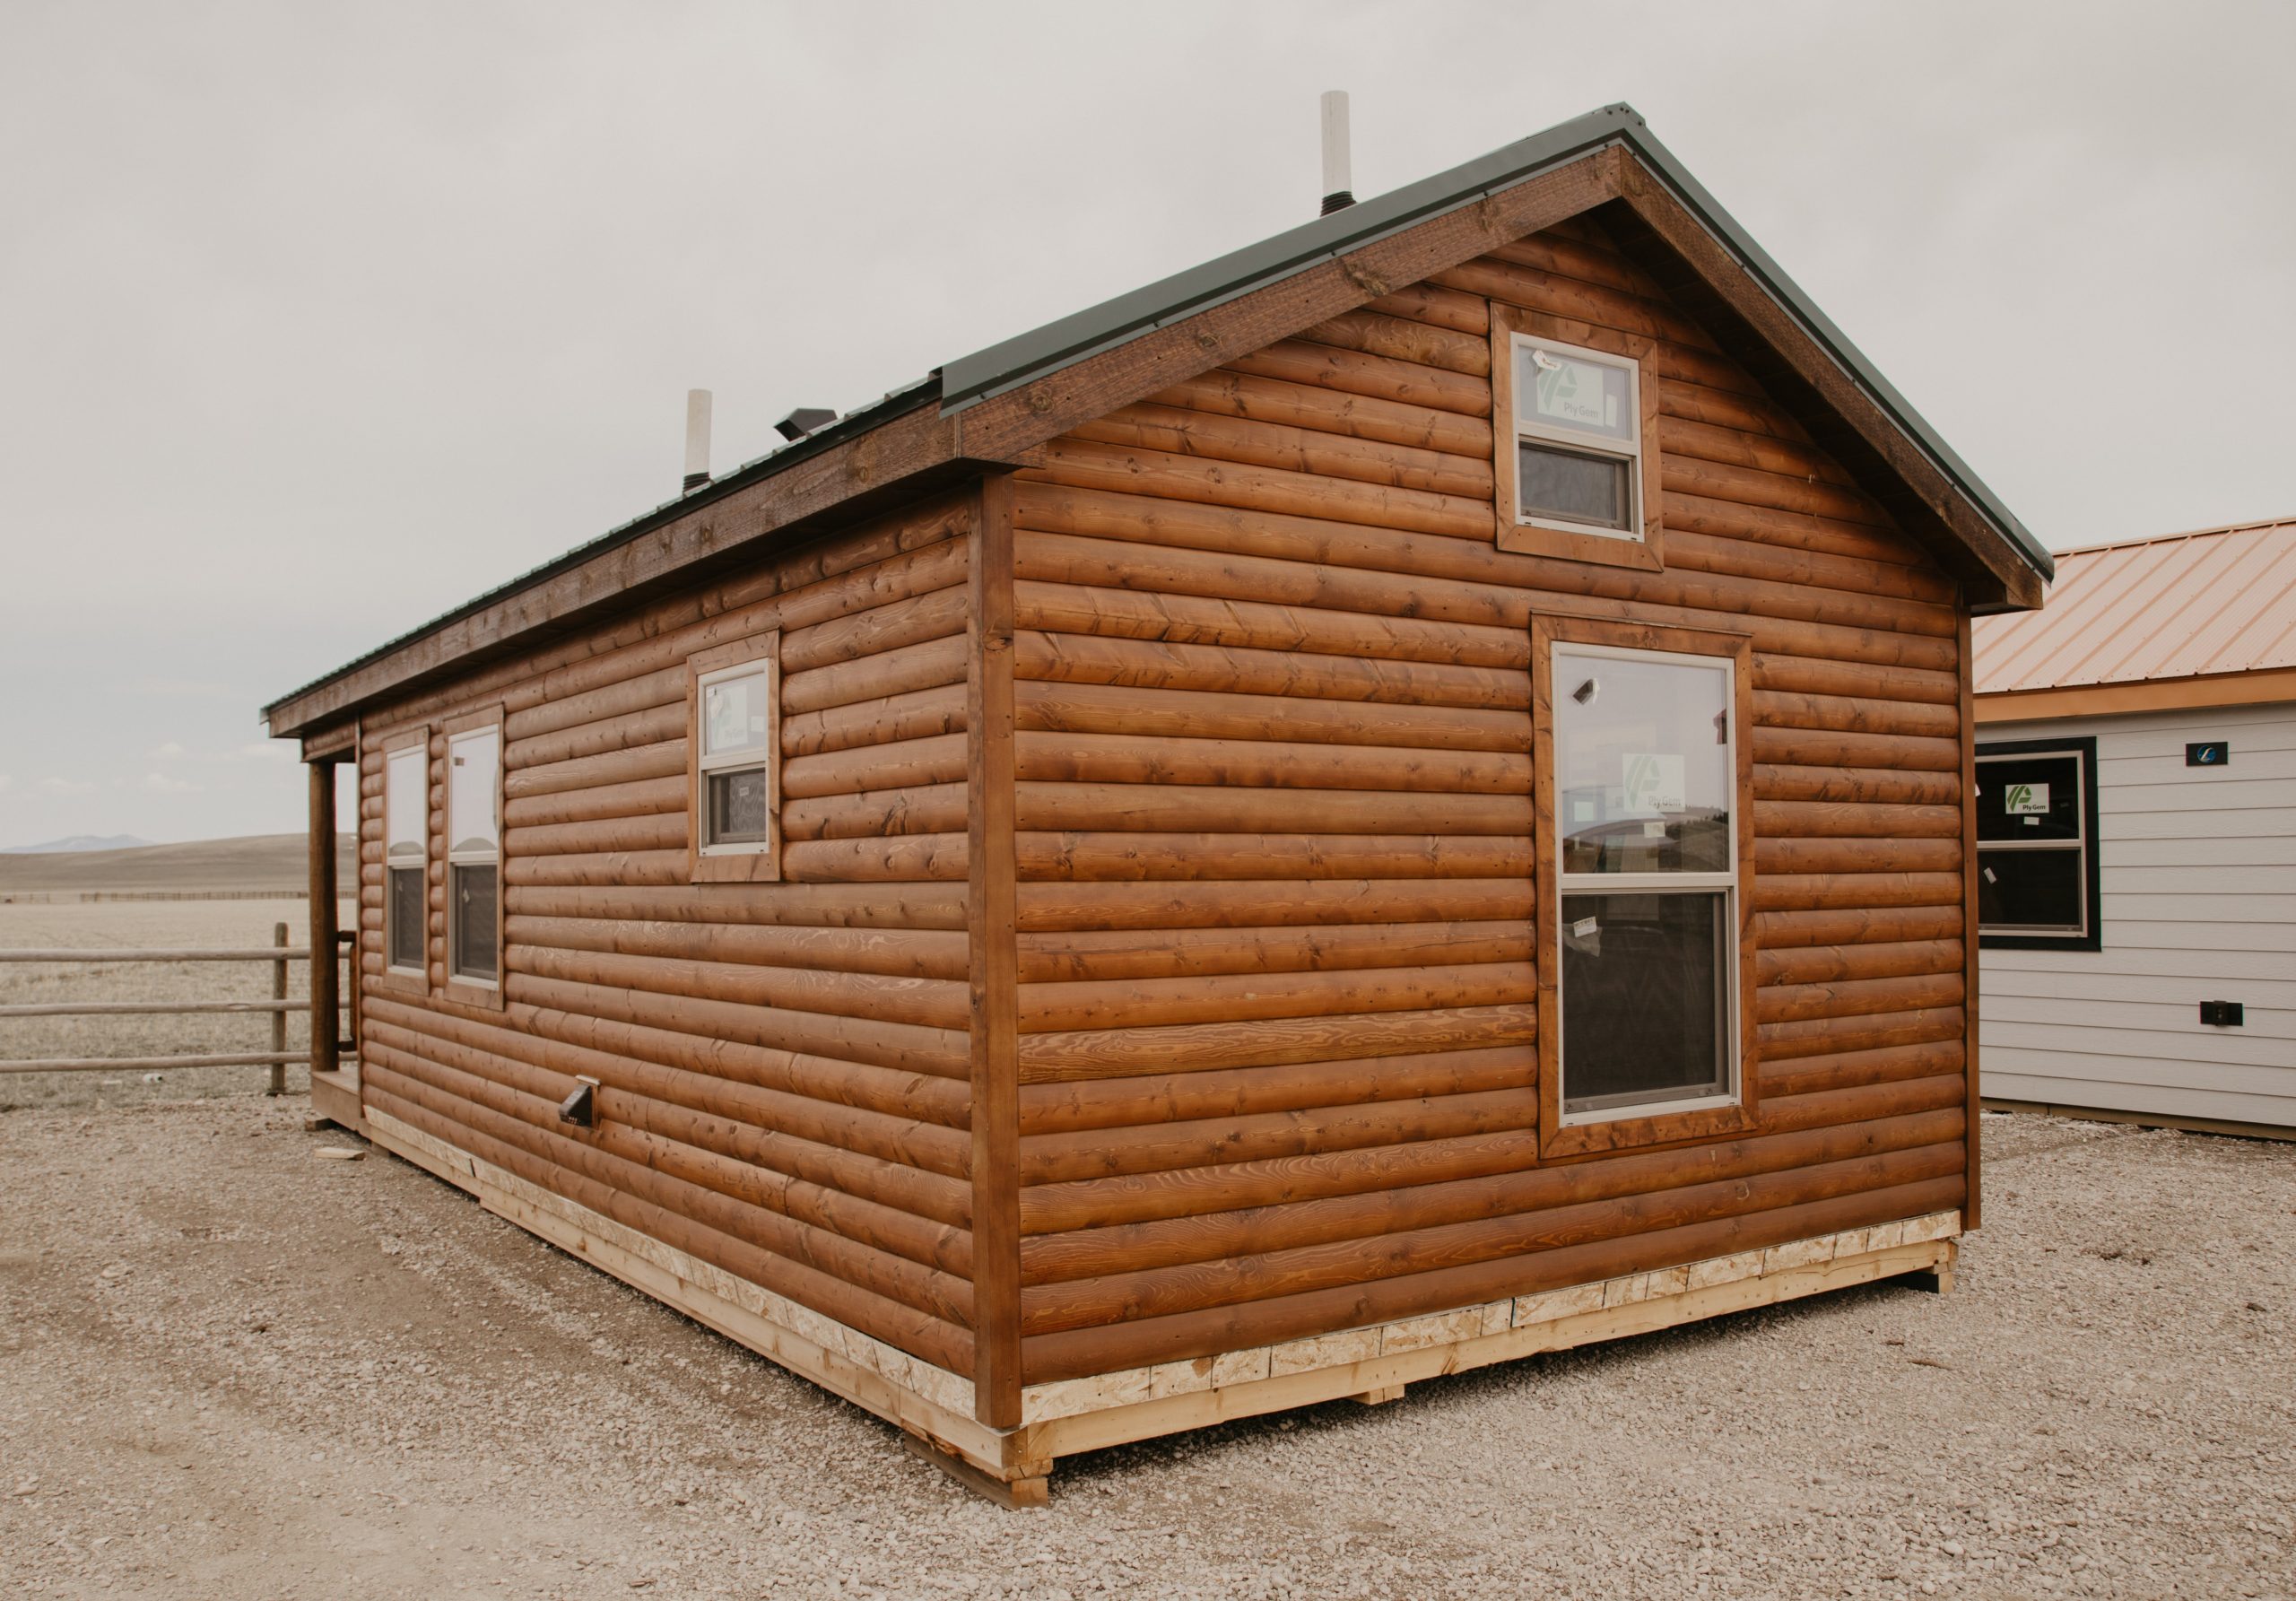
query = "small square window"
{"x": 1578, "y": 440}
{"x": 736, "y": 733}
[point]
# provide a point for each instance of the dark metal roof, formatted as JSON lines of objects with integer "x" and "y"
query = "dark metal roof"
{"x": 898, "y": 403}
{"x": 1016, "y": 361}
{"x": 1072, "y": 339}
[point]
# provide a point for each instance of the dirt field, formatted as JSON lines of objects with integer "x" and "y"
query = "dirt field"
{"x": 168, "y": 923}
{"x": 233, "y": 1368}
{"x": 250, "y": 862}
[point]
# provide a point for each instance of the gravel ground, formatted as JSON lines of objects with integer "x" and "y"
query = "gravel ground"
{"x": 230, "y": 1368}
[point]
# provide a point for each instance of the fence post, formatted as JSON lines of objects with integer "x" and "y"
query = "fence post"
{"x": 279, "y": 1015}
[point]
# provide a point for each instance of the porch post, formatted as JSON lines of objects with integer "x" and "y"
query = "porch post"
{"x": 326, "y": 994}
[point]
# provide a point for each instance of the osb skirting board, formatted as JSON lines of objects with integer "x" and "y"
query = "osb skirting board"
{"x": 868, "y": 1372}
{"x": 334, "y": 1096}
{"x": 1082, "y": 1414}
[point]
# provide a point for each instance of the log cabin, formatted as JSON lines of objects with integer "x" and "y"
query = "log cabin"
{"x": 1396, "y": 800}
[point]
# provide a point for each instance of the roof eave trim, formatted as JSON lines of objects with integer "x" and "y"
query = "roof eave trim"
{"x": 1011, "y": 363}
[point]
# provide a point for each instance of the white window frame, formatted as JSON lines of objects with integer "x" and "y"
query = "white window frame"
{"x": 1528, "y": 425}
{"x": 419, "y": 756}
{"x": 2079, "y": 847}
{"x": 474, "y": 858}
{"x": 760, "y": 756}
{"x": 1637, "y": 883}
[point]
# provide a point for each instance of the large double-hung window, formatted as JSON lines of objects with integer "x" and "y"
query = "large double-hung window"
{"x": 474, "y": 856}
{"x": 1645, "y": 882}
{"x": 406, "y": 856}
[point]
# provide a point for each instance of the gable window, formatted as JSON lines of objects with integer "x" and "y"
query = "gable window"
{"x": 2037, "y": 845}
{"x": 473, "y": 856}
{"x": 735, "y": 761}
{"x": 406, "y": 855}
{"x": 1576, "y": 473}
{"x": 1578, "y": 439}
{"x": 1644, "y": 1035}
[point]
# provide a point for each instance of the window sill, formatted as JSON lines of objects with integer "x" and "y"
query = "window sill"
{"x": 476, "y": 992}
{"x": 1632, "y": 1132}
{"x": 756, "y": 866}
{"x": 1536, "y": 539}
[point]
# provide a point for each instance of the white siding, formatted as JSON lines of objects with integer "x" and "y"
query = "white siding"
{"x": 2199, "y": 904}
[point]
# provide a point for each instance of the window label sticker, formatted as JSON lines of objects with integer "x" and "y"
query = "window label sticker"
{"x": 1584, "y": 929}
{"x": 2025, "y": 800}
{"x": 1653, "y": 783}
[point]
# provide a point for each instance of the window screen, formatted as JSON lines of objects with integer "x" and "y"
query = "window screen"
{"x": 1646, "y": 998}
{"x": 1566, "y": 483}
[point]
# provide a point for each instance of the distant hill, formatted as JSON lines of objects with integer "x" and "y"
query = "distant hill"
{"x": 252, "y": 862}
{"x": 77, "y": 842}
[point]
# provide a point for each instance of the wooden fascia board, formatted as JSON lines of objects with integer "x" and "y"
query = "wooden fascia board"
{"x": 908, "y": 457}
{"x": 1006, "y": 425}
{"x": 1652, "y": 201}
{"x": 2263, "y": 688}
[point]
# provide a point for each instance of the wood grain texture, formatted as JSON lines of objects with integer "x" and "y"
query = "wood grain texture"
{"x": 991, "y": 924}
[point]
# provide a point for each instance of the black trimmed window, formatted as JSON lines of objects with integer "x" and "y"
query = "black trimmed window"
{"x": 2037, "y": 845}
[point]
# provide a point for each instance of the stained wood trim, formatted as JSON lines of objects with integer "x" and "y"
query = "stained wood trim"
{"x": 389, "y": 979}
{"x": 1557, "y": 1140}
{"x": 331, "y": 745}
{"x": 761, "y": 866}
{"x": 1008, "y": 425}
{"x": 901, "y": 460}
{"x": 1987, "y": 549}
{"x": 1648, "y": 553}
{"x": 991, "y": 923}
{"x": 1972, "y": 1207}
{"x": 470, "y": 992}
{"x": 2264, "y": 688}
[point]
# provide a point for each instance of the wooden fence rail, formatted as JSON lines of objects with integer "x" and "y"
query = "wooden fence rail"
{"x": 279, "y": 954}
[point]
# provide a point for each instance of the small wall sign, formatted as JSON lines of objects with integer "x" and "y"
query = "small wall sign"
{"x": 2210, "y": 752}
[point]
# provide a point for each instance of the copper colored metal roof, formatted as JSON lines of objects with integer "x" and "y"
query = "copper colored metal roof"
{"x": 2190, "y": 605}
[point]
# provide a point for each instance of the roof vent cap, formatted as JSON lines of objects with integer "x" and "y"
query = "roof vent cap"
{"x": 804, "y": 420}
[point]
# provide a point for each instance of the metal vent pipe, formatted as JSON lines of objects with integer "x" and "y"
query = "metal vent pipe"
{"x": 697, "y": 439}
{"x": 1338, "y": 184}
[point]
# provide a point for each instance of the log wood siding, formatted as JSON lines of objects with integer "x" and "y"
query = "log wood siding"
{"x": 1272, "y": 1005}
{"x": 785, "y": 1065}
{"x": 1277, "y": 1009}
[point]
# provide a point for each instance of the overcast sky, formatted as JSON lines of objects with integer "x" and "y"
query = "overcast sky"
{"x": 316, "y": 320}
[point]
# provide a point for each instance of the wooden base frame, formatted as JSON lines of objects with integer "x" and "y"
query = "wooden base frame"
{"x": 1013, "y": 1467}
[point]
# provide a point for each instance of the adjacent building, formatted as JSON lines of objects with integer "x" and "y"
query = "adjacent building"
{"x": 2137, "y": 834}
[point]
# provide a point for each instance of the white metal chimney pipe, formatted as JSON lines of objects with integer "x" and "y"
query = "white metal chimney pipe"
{"x": 1339, "y": 184}
{"x": 697, "y": 439}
